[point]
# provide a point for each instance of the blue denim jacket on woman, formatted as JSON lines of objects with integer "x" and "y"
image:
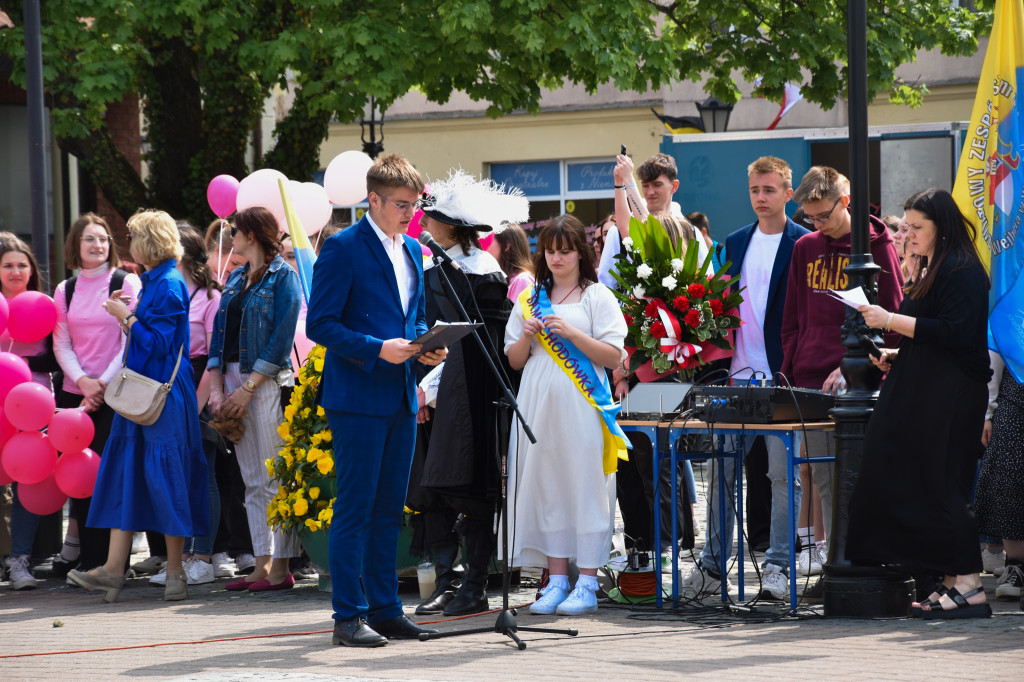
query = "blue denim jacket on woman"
{"x": 270, "y": 310}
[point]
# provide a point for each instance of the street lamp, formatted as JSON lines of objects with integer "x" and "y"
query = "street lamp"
{"x": 714, "y": 114}
{"x": 373, "y": 147}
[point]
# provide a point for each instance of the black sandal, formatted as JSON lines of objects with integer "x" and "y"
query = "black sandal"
{"x": 918, "y": 609}
{"x": 962, "y": 608}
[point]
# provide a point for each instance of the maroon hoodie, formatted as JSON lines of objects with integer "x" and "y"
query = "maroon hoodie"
{"x": 812, "y": 342}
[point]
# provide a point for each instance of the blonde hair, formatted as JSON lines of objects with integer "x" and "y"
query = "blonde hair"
{"x": 154, "y": 237}
{"x": 393, "y": 171}
{"x": 821, "y": 182}
{"x": 680, "y": 231}
{"x": 772, "y": 164}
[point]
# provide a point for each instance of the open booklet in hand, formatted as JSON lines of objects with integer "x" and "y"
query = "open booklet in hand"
{"x": 444, "y": 334}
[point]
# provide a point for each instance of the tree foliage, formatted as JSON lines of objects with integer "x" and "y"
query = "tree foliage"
{"x": 204, "y": 68}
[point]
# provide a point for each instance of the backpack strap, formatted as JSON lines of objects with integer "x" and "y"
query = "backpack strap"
{"x": 117, "y": 280}
{"x": 69, "y": 291}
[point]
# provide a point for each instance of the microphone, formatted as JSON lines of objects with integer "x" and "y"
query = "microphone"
{"x": 427, "y": 240}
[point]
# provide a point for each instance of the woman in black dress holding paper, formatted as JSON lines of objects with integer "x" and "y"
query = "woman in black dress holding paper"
{"x": 938, "y": 383}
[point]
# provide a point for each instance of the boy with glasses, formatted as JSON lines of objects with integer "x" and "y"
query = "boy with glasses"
{"x": 812, "y": 339}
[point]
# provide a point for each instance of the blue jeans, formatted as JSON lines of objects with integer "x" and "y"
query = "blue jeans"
{"x": 203, "y": 544}
{"x": 712, "y": 557}
{"x": 23, "y": 527}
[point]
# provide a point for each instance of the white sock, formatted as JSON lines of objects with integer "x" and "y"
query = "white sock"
{"x": 587, "y": 581}
{"x": 71, "y": 549}
{"x": 561, "y": 581}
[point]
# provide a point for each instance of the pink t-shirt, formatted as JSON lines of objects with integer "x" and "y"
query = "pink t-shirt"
{"x": 87, "y": 339}
{"x": 201, "y": 313}
{"x": 517, "y": 284}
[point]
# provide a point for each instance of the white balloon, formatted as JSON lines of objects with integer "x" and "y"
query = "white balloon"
{"x": 345, "y": 178}
{"x": 312, "y": 207}
{"x": 260, "y": 188}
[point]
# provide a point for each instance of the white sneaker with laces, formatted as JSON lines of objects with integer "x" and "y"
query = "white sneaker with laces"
{"x": 160, "y": 578}
{"x": 993, "y": 560}
{"x": 581, "y": 600}
{"x": 774, "y": 583}
{"x": 223, "y": 566}
{"x": 21, "y": 578}
{"x": 551, "y": 597}
{"x": 198, "y": 571}
{"x": 808, "y": 562}
{"x": 1010, "y": 583}
{"x": 245, "y": 562}
{"x": 698, "y": 584}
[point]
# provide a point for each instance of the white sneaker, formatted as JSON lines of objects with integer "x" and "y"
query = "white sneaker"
{"x": 811, "y": 560}
{"x": 774, "y": 583}
{"x": 198, "y": 571}
{"x": 21, "y": 578}
{"x": 1010, "y": 583}
{"x": 581, "y": 600}
{"x": 698, "y": 584}
{"x": 160, "y": 578}
{"x": 551, "y": 597}
{"x": 223, "y": 566}
{"x": 245, "y": 562}
{"x": 993, "y": 561}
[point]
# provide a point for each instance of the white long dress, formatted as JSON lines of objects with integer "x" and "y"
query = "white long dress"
{"x": 561, "y": 504}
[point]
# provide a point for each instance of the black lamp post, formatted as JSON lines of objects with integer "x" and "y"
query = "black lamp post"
{"x": 858, "y": 591}
{"x": 714, "y": 114}
{"x": 373, "y": 147}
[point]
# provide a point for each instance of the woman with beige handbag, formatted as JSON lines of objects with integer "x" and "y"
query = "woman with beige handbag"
{"x": 153, "y": 471}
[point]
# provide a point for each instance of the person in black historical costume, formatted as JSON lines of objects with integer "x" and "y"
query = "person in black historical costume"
{"x": 911, "y": 506}
{"x": 455, "y": 483}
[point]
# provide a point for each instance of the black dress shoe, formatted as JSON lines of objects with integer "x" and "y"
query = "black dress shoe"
{"x": 355, "y": 632}
{"x": 467, "y": 602}
{"x": 436, "y": 603}
{"x": 400, "y": 627}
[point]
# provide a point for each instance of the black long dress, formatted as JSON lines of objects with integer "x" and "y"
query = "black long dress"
{"x": 928, "y": 420}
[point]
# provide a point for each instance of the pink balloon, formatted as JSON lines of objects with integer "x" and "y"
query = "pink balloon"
{"x": 7, "y": 430}
{"x": 29, "y": 406}
{"x": 221, "y": 194}
{"x": 5, "y": 478}
{"x": 32, "y": 316}
{"x": 4, "y": 312}
{"x": 43, "y": 497}
{"x": 425, "y": 251}
{"x": 485, "y": 242}
{"x": 260, "y": 188}
{"x": 70, "y": 431}
{"x": 28, "y": 457}
{"x": 76, "y": 473}
{"x": 345, "y": 177}
{"x": 13, "y": 371}
{"x": 414, "y": 225}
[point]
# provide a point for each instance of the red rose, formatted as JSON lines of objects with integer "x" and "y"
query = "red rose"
{"x": 629, "y": 319}
{"x": 696, "y": 290}
{"x": 658, "y": 330}
{"x": 716, "y": 307}
{"x": 682, "y": 304}
{"x": 693, "y": 318}
{"x": 651, "y": 310}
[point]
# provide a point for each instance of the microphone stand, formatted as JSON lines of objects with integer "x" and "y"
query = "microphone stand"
{"x": 506, "y": 622}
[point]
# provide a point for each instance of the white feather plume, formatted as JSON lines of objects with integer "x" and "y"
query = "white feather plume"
{"x": 479, "y": 202}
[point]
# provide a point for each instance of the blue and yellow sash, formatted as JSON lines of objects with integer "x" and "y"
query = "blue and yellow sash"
{"x": 578, "y": 367}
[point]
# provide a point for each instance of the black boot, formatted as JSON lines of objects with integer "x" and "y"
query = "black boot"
{"x": 448, "y": 580}
{"x": 472, "y": 596}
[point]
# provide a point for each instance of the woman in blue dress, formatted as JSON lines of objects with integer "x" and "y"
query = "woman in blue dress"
{"x": 152, "y": 478}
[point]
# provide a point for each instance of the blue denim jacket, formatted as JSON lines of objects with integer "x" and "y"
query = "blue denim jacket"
{"x": 269, "y": 313}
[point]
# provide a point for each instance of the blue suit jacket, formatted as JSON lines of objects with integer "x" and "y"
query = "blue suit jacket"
{"x": 736, "y": 249}
{"x": 354, "y": 307}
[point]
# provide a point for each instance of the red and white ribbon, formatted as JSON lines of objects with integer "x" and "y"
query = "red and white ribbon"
{"x": 676, "y": 350}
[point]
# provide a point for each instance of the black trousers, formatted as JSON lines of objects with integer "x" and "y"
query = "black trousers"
{"x": 635, "y": 488}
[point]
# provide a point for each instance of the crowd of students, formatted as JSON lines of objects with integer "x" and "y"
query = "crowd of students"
{"x": 240, "y": 305}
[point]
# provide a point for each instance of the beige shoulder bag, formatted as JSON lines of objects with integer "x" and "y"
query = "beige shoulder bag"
{"x": 135, "y": 396}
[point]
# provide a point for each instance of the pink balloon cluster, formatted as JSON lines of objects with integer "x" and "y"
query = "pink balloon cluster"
{"x": 29, "y": 317}
{"x": 28, "y": 456}
{"x": 344, "y": 185}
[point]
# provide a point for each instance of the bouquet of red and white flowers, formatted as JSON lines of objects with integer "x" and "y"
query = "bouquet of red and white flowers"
{"x": 678, "y": 317}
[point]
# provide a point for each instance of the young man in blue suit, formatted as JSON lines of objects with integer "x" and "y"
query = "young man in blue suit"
{"x": 760, "y": 254}
{"x": 365, "y": 308}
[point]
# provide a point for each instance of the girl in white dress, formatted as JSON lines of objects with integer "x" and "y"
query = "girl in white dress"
{"x": 562, "y": 501}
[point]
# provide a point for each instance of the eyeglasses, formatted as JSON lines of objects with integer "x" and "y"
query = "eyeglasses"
{"x": 102, "y": 239}
{"x": 821, "y": 220}
{"x": 403, "y": 206}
